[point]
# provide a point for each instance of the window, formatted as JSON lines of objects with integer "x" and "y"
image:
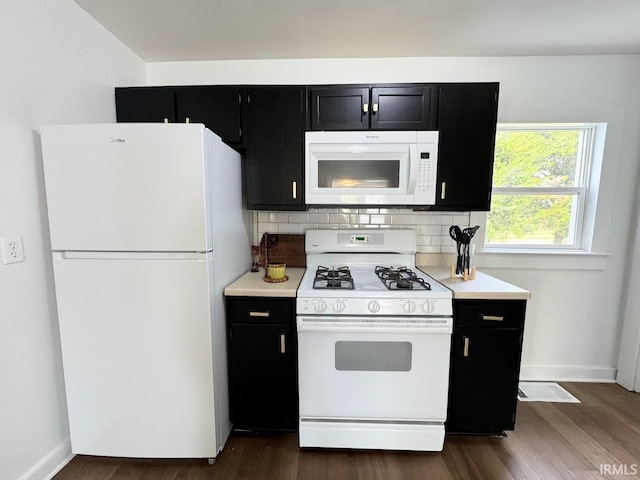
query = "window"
{"x": 540, "y": 186}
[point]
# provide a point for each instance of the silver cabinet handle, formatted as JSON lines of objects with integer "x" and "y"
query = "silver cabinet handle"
{"x": 294, "y": 188}
{"x": 443, "y": 191}
{"x": 465, "y": 349}
{"x": 258, "y": 314}
{"x": 375, "y": 107}
{"x": 283, "y": 343}
{"x": 494, "y": 318}
{"x": 365, "y": 108}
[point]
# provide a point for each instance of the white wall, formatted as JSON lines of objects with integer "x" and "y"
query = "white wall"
{"x": 58, "y": 66}
{"x": 573, "y": 319}
{"x": 629, "y": 359}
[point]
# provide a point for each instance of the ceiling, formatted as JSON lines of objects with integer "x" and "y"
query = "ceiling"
{"x": 183, "y": 30}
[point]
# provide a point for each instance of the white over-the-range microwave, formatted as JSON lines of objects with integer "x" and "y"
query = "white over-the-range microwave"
{"x": 371, "y": 168}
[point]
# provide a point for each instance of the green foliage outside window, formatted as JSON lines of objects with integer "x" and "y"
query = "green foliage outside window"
{"x": 533, "y": 159}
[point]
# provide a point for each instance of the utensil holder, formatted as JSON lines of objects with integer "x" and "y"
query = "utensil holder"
{"x": 467, "y": 275}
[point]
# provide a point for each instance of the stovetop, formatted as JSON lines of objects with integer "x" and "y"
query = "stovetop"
{"x": 366, "y": 282}
{"x": 394, "y": 278}
{"x": 367, "y": 273}
{"x": 372, "y": 295}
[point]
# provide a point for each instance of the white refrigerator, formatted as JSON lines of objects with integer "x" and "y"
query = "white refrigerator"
{"x": 147, "y": 227}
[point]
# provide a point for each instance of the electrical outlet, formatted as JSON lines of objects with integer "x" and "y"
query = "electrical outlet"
{"x": 12, "y": 251}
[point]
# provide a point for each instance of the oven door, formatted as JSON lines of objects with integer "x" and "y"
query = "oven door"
{"x": 365, "y": 371}
{"x": 364, "y": 385}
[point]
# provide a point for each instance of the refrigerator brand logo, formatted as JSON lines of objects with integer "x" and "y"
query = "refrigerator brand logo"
{"x": 116, "y": 140}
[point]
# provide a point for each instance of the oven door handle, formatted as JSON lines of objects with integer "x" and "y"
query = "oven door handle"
{"x": 409, "y": 329}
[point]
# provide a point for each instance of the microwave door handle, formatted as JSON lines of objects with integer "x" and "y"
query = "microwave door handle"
{"x": 413, "y": 168}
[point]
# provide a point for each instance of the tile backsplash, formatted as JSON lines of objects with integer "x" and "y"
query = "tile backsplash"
{"x": 432, "y": 228}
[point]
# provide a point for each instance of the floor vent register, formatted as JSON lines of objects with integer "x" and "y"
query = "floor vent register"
{"x": 544, "y": 392}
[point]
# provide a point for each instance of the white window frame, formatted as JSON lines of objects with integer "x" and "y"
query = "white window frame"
{"x": 589, "y": 160}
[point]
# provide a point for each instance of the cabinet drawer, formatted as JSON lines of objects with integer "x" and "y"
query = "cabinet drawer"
{"x": 258, "y": 311}
{"x": 490, "y": 313}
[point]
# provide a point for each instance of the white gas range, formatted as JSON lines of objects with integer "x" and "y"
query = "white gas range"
{"x": 374, "y": 336}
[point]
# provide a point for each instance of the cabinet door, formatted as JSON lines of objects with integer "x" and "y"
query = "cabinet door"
{"x": 262, "y": 377}
{"x": 340, "y": 109}
{"x": 217, "y": 107}
{"x": 484, "y": 380}
{"x": 402, "y": 108}
{"x": 467, "y": 124}
{"x": 274, "y": 138}
{"x": 145, "y": 104}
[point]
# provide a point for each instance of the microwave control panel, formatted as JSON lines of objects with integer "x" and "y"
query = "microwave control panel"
{"x": 425, "y": 189}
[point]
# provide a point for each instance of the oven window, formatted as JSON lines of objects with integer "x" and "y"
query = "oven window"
{"x": 358, "y": 174}
{"x": 373, "y": 356}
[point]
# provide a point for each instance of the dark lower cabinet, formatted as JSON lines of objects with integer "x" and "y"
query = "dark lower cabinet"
{"x": 485, "y": 366}
{"x": 262, "y": 363}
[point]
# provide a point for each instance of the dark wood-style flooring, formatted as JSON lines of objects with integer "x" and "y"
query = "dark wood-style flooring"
{"x": 596, "y": 439}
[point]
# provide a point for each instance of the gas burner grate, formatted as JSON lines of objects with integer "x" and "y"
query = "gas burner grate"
{"x": 401, "y": 278}
{"x": 333, "y": 278}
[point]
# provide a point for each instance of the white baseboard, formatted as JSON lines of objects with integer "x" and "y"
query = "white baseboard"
{"x": 55, "y": 461}
{"x": 532, "y": 373}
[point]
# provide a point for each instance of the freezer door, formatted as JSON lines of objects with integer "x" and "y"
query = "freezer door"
{"x": 127, "y": 187}
{"x": 136, "y": 347}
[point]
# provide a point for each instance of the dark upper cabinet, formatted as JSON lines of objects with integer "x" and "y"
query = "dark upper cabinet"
{"x": 145, "y": 104}
{"x": 375, "y": 108}
{"x": 269, "y": 129}
{"x": 339, "y": 109}
{"x": 218, "y": 108}
{"x": 403, "y": 108}
{"x": 274, "y": 126}
{"x": 262, "y": 363}
{"x": 485, "y": 365}
{"x": 467, "y": 115}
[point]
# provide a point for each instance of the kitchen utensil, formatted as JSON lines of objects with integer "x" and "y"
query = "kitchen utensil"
{"x": 457, "y": 235}
{"x": 467, "y": 235}
{"x": 452, "y": 233}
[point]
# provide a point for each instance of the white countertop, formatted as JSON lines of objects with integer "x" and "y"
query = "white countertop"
{"x": 251, "y": 284}
{"x": 483, "y": 287}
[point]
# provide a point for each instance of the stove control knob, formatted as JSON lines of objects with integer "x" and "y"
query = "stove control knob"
{"x": 409, "y": 306}
{"x": 338, "y": 306}
{"x": 373, "y": 306}
{"x": 320, "y": 306}
{"x": 428, "y": 306}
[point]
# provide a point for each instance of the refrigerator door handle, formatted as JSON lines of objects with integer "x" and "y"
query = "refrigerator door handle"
{"x": 77, "y": 255}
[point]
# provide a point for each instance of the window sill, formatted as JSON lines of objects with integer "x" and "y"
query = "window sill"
{"x": 554, "y": 260}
